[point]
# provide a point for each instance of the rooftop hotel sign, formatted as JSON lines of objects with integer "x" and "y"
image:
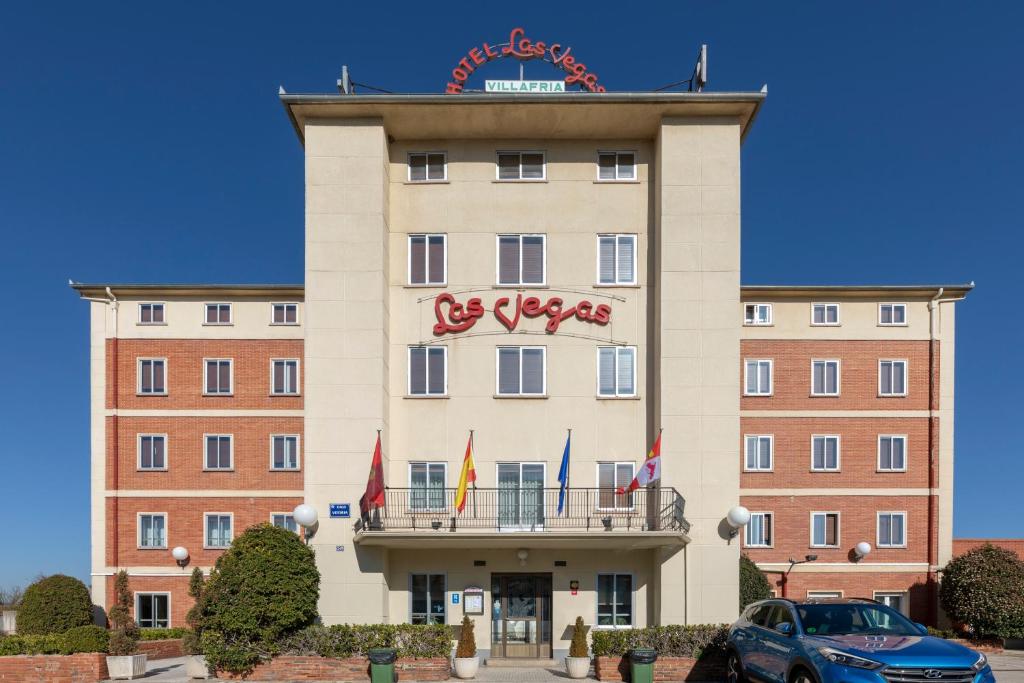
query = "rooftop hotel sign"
{"x": 524, "y": 49}
{"x": 524, "y": 86}
{"x": 454, "y": 316}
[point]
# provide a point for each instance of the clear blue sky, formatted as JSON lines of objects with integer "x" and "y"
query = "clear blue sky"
{"x": 145, "y": 142}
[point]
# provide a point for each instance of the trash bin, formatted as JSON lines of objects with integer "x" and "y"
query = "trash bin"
{"x": 382, "y": 665}
{"x": 641, "y": 665}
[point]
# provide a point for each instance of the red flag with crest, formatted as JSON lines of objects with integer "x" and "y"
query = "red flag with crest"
{"x": 373, "y": 497}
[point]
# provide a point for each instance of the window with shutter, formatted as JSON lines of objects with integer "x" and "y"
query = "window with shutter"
{"x": 428, "y": 369}
{"x": 521, "y": 166}
{"x": 152, "y": 376}
{"x": 218, "y": 376}
{"x": 218, "y": 314}
{"x": 284, "y": 452}
{"x": 616, "y": 371}
{"x": 521, "y": 371}
{"x": 758, "y": 456}
{"x": 521, "y": 259}
{"x": 825, "y": 377}
{"x": 151, "y": 314}
{"x": 284, "y": 314}
{"x": 825, "y": 453}
{"x": 428, "y": 167}
{"x": 892, "y": 377}
{"x": 824, "y": 529}
{"x": 891, "y": 530}
{"x": 758, "y": 530}
{"x": 427, "y": 259}
{"x": 892, "y": 314}
{"x": 284, "y": 376}
{"x": 892, "y": 453}
{"x": 613, "y": 166}
{"x": 758, "y": 377}
{"x": 152, "y": 451}
{"x": 616, "y": 259}
{"x": 612, "y": 476}
{"x": 824, "y": 314}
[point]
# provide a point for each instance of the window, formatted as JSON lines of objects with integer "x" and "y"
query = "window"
{"x": 151, "y": 314}
{"x": 758, "y": 452}
{"x": 616, "y": 166}
{"x": 758, "y": 381}
{"x": 824, "y": 595}
{"x": 824, "y": 314}
{"x": 521, "y": 166}
{"x": 757, "y": 314}
{"x": 218, "y": 314}
{"x": 426, "y": 485}
{"x": 152, "y": 451}
{"x": 825, "y": 453}
{"x": 824, "y": 529}
{"x": 285, "y": 520}
{"x": 892, "y": 314}
{"x": 892, "y": 529}
{"x": 152, "y": 530}
{"x": 892, "y": 377}
{"x": 614, "y": 600}
{"x": 894, "y": 600}
{"x": 616, "y": 371}
{"x": 218, "y": 452}
{"x": 612, "y": 476}
{"x": 428, "y": 370}
{"x": 521, "y": 370}
{"x": 152, "y": 372}
{"x": 284, "y": 452}
{"x": 284, "y": 314}
{"x": 153, "y": 610}
{"x": 616, "y": 259}
{"x": 824, "y": 378}
{"x": 284, "y": 377}
{"x": 218, "y": 376}
{"x": 521, "y": 259}
{"x": 218, "y": 529}
{"x": 759, "y": 530}
{"x": 428, "y": 166}
{"x": 428, "y": 259}
{"x": 427, "y": 598}
{"x": 892, "y": 453}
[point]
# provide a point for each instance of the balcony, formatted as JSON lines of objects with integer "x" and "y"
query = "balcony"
{"x": 505, "y": 517}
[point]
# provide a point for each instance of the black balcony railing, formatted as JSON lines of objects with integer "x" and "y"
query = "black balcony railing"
{"x": 529, "y": 509}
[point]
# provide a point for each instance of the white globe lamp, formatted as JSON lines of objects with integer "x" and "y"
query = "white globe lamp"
{"x": 738, "y": 516}
{"x": 180, "y": 555}
{"x": 862, "y": 549}
{"x": 305, "y": 515}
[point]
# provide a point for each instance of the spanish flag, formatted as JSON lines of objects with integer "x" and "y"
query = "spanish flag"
{"x": 467, "y": 475}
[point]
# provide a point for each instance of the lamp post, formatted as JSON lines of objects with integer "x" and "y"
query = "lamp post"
{"x": 180, "y": 555}
{"x": 305, "y": 515}
{"x": 793, "y": 563}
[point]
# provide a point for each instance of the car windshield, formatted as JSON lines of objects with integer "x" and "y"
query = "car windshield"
{"x": 843, "y": 619}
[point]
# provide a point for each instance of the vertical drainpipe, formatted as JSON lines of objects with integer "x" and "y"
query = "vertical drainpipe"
{"x": 932, "y": 502}
{"x": 113, "y": 424}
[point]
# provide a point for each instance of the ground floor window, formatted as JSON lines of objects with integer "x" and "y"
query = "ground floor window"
{"x": 152, "y": 610}
{"x": 428, "y": 592}
{"x": 285, "y": 520}
{"x": 824, "y": 594}
{"x": 895, "y": 599}
{"x": 614, "y": 600}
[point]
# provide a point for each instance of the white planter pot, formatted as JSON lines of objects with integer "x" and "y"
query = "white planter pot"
{"x": 195, "y": 666}
{"x": 465, "y": 667}
{"x": 126, "y": 667}
{"x": 577, "y": 667}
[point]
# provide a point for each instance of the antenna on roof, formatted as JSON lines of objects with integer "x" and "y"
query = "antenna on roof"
{"x": 700, "y": 70}
{"x": 345, "y": 82}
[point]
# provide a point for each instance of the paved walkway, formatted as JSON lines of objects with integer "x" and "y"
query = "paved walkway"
{"x": 1008, "y": 667}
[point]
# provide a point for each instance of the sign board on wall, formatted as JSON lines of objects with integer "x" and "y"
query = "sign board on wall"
{"x": 473, "y": 600}
{"x": 341, "y": 510}
{"x": 524, "y": 86}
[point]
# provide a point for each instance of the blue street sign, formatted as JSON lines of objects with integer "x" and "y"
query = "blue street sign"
{"x": 341, "y": 510}
{"x": 455, "y": 598}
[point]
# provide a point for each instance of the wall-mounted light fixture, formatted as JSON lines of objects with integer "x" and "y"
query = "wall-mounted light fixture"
{"x": 522, "y": 554}
{"x": 737, "y": 517}
{"x": 861, "y": 550}
{"x": 180, "y": 556}
{"x": 305, "y": 515}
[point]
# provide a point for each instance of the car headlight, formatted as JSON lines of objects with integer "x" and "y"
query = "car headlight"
{"x": 981, "y": 663}
{"x": 847, "y": 659}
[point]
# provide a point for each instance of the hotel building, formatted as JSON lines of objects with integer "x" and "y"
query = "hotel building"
{"x": 520, "y": 266}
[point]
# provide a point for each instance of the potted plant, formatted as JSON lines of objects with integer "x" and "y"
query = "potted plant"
{"x": 195, "y": 660}
{"x": 577, "y": 664}
{"x": 123, "y": 662}
{"x": 466, "y": 661}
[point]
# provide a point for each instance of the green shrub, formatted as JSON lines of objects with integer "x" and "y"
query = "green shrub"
{"x": 578, "y": 646}
{"x": 85, "y": 639}
{"x": 162, "y": 633}
{"x": 346, "y": 640}
{"x": 190, "y": 642}
{"x": 754, "y": 584}
{"x": 467, "y": 640}
{"x": 37, "y": 644}
{"x": 669, "y": 641}
{"x": 983, "y": 589}
{"x": 124, "y": 636}
{"x": 54, "y": 604}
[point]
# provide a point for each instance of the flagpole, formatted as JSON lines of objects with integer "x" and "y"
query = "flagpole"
{"x": 472, "y": 450}
{"x": 568, "y": 503}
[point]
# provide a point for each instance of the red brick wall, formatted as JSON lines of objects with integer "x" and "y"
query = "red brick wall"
{"x": 860, "y": 585}
{"x": 350, "y": 669}
{"x": 962, "y": 545}
{"x": 665, "y": 669}
{"x": 162, "y": 649}
{"x": 80, "y": 668}
{"x": 177, "y": 586}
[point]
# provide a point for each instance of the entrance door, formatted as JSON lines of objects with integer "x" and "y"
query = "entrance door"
{"x": 520, "y": 496}
{"x": 521, "y": 615}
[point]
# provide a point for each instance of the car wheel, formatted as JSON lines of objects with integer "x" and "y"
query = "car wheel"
{"x": 801, "y": 676}
{"x": 733, "y": 669}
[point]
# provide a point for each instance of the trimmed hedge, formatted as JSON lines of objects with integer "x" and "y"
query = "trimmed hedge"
{"x": 54, "y": 604}
{"x": 754, "y": 584}
{"x": 984, "y": 590}
{"x": 348, "y": 640}
{"x": 669, "y": 641}
{"x": 76, "y": 640}
{"x": 162, "y": 633}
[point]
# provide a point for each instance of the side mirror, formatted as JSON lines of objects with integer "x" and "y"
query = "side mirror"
{"x": 785, "y": 628}
{"x": 922, "y": 628}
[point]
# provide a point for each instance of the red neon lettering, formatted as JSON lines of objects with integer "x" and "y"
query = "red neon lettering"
{"x": 476, "y": 56}
{"x": 532, "y": 307}
{"x": 458, "y": 317}
{"x": 504, "y": 319}
{"x": 583, "y": 310}
{"x": 453, "y": 89}
{"x": 462, "y": 317}
{"x": 602, "y": 314}
{"x": 490, "y": 52}
{"x": 459, "y": 75}
{"x": 464, "y": 63}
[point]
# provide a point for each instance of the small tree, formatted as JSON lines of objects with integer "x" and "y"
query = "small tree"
{"x": 54, "y": 604}
{"x": 467, "y": 640}
{"x": 983, "y": 589}
{"x": 190, "y": 641}
{"x": 578, "y": 647}
{"x": 124, "y": 636}
{"x": 754, "y": 585}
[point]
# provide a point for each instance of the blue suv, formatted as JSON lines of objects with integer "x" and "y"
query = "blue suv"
{"x": 843, "y": 641}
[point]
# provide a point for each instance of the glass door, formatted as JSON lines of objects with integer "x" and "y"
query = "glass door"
{"x": 521, "y": 615}
{"x": 520, "y": 496}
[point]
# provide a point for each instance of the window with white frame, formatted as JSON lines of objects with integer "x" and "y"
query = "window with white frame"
{"x": 896, "y": 600}
{"x": 152, "y": 451}
{"x": 522, "y": 259}
{"x": 521, "y": 370}
{"x": 152, "y": 530}
{"x": 427, "y": 167}
{"x": 152, "y": 376}
{"x": 616, "y": 370}
{"x": 218, "y": 452}
{"x": 758, "y": 532}
{"x": 824, "y": 314}
{"x": 151, "y": 314}
{"x": 284, "y": 452}
{"x": 153, "y": 610}
{"x": 218, "y": 376}
{"x": 892, "y": 377}
{"x": 427, "y": 598}
{"x": 285, "y": 520}
{"x": 521, "y": 166}
{"x": 284, "y": 314}
{"x": 892, "y": 453}
{"x": 616, "y": 259}
{"x": 824, "y": 453}
{"x": 426, "y": 485}
{"x": 616, "y": 165}
{"x": 892, "y": 314}
{"x": 758, "y": 452}
{"x": 758, "y": 377}
{"x": 824, "y": 595}
{"x": 892, "y": 529}
{"x": 428, "y": 370}
{"x": 824, "y": 529}
{"x": 218, "y": 529}
{"x": 218, "y": 314}
{"x": 428, "y": 259}
{"x": 825, "y": 377}
{"x": 284, "y": 376}
{"x": 614, "y": 600}
{"x": 612, "y": 476}
{"x": 757, "y": 314}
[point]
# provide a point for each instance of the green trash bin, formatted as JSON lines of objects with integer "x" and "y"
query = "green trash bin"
{"x": 382, "y": 665}
{"x": 641, "y": 665}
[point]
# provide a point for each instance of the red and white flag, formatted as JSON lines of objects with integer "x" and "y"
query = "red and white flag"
{"x": 650, "y": 470}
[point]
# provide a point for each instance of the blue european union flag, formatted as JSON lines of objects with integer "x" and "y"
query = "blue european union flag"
{"x": 563, "y": 475}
